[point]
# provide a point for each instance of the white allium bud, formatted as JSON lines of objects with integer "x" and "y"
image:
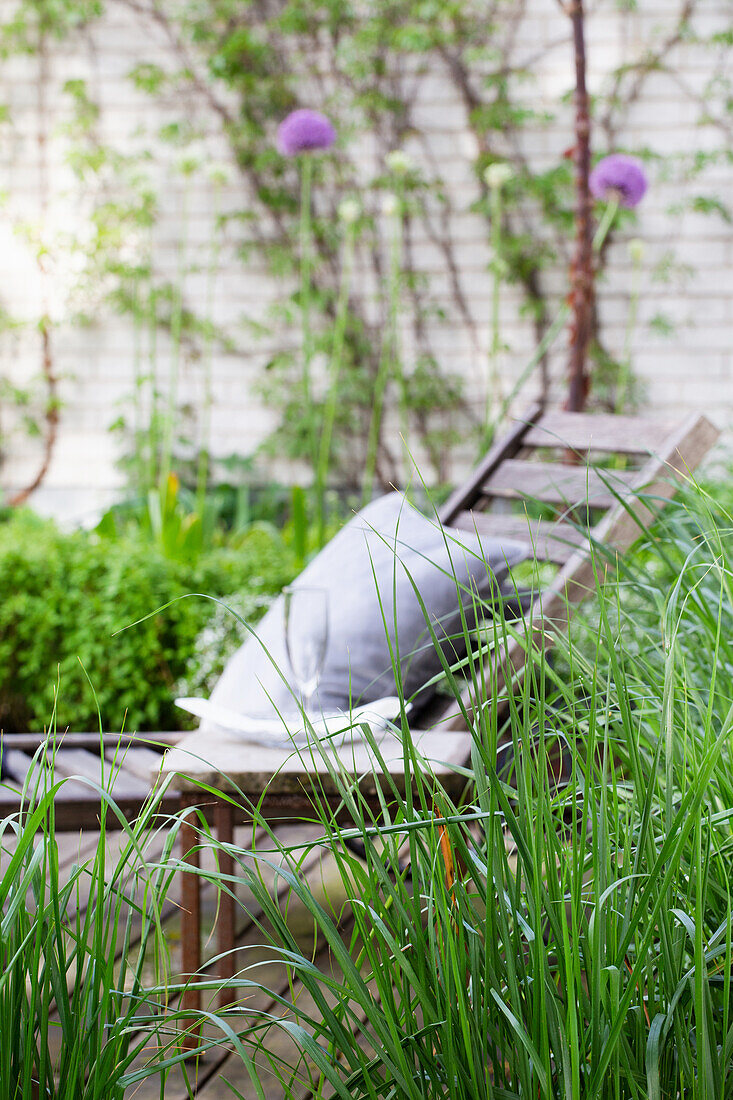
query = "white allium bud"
{"x": 349, "y": 211}
{"x": 220, "y": 173}
{"x": 636, "y": 249}
{"x": 188, "y": 164}
{"x": 399, "y": 162}
{"x": 390, "y": 205}
{"x": 497, "y": 174}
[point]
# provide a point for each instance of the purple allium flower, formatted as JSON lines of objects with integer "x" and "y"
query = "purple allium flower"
{"x": 303, "y": 131}
{"x": 621, "y": 176}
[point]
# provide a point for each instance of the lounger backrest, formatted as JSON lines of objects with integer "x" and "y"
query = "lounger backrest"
{"x": 566, "y": 481}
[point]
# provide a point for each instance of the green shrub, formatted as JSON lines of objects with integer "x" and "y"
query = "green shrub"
{"x": 63, "y": 597}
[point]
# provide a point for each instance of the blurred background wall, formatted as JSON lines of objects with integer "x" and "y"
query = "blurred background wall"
{"x": 88, "y": 122}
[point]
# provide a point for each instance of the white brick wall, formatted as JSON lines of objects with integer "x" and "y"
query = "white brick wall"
{"x": 692, "y": 369}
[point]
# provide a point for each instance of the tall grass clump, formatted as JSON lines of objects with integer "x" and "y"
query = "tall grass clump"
{"x": 84, "y": 982}
{"x": 563, "y": 930}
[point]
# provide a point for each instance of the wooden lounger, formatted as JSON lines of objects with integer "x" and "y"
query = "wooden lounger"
{"x": 562, "y": 481}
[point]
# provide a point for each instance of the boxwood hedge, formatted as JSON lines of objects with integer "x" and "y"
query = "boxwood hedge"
{"x": 65, "y": 595}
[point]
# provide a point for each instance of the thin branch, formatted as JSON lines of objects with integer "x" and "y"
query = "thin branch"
{"x": 51, "y": 412}
{"x": 618, "y": 106}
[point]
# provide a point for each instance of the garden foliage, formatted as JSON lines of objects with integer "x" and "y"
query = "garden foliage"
{"x": 64, "y": 597}
{"x": 567, "y": 931}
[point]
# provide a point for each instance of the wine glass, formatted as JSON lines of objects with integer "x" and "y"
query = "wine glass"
{"x": 306, "y": 637}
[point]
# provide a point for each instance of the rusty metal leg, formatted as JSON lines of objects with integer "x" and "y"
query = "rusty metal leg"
{"x": 190, "y": 913}
{"x": 226, "y": 930}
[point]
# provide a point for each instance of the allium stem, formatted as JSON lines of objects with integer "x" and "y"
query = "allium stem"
{"x": 154, "y": 430}
{"x": 137, "y": 356}
{"x": 176, "y": 330}
{"x": 202, "y": 472}
{"x": 306, "y": 176}
{"x": 493, "y": 389}
{"x": 388, "y": 364}
{"x": 395, "y": 273}
{"x": 337, "y": 350}
{"x": 540, "y": 351}
{"x": 625, "y": 371}
{"x": 605, "y": 223}
{"x": 374, "y": 426}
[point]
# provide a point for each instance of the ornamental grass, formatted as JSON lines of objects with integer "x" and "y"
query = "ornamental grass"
{"x": 564, "y": 931}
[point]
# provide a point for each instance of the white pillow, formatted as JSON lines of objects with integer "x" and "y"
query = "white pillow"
{"x": 381, "y": 548}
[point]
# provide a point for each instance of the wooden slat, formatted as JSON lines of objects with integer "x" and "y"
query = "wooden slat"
{"x": 547, "y": 541}
{"x": 77, "y": 804}
{"x": 18, "y": 764}
{"x": 139, "y": 762}
{"x": 555, "y": 483}
{"x": 29, "y": 742}
{"x": 77, "y": 808}
{"x": 466, "y": 495}
{"x": 582, "y": 432}
{"x": 118, "y": 781}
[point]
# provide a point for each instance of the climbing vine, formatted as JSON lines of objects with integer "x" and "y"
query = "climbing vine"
{"x": 227, "y": 70}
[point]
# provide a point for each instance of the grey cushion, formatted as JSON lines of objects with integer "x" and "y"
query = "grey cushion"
{"x": 379, "y": 549}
